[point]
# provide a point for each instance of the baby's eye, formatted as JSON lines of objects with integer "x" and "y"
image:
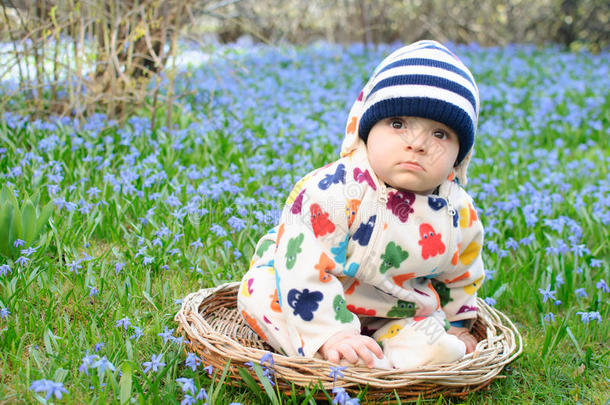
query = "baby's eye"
{"x": 440, "y": 134}
{"x": 397, "y": 123}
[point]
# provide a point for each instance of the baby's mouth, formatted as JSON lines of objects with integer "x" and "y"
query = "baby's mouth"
{"x": 411, "y": 165}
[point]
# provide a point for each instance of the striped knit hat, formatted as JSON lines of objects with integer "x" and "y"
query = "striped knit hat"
{"x": 426, "y": 80}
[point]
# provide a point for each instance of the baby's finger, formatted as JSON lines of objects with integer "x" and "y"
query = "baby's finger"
{"x": 364, "y": 353}
{"x": 374, "y": 347}
{"x": 332, "y": 355}
{"x": 348, "y": 353}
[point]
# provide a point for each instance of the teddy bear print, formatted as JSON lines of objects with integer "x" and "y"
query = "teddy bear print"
{"x": 298, "y": 203}
{"x": 399, "y": 202}
{"x": 325, "y": 265}
{"x": 304, "y": 303}
{"x": 436, "y": 203}
{"x": 467, "y": 216}
{"x": 254, "y": 325}
{"x": 340, "y": 255}
{"x": 275, "y": 302}
{"x": 293, "y": 249}
{"x": 361, "y": 310}
{"x": 263, "y": 247}
{"x": 319, "y": 221}
{"x": 443, "y": 292}
{"x": 402, "y": 309}
{"x": 333, "y": 178}
{"x": 430, "y": 242}
{"x": 351, "y": 209}
{"x": 364, "y": 177}
{"x": 392, "y": 257}
{"x": 342, "y": 314}
{"x": 364, "y": 231}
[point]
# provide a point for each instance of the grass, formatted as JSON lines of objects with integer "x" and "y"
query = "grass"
{"x": 143, "y": 217}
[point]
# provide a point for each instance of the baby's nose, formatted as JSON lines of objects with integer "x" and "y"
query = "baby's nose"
{"x": 415, "y": 141}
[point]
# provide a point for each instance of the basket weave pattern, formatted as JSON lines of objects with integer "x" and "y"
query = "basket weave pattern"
{"x": 209, "y": 320}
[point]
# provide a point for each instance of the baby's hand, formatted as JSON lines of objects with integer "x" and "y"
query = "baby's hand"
{"x": 464, "y": 335}
{"x": 351, "y": 346}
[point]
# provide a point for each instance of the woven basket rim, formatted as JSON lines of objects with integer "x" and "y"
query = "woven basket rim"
{"x": 502, "y": 344}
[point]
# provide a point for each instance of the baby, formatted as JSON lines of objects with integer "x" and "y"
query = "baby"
{"x": 376, "y": 259}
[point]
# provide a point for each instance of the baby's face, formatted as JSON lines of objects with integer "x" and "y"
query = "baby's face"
{"x": 411, "y": 153}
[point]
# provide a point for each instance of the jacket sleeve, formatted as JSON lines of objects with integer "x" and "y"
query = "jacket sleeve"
{"x": 311, "y": 242}
{"x": 457, "y": 287}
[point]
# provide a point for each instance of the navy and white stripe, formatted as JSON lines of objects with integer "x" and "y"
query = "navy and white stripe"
{"x": 426, "y": 80}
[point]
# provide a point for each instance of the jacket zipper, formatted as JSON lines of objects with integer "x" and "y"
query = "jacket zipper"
{"x": 451, "y": 211}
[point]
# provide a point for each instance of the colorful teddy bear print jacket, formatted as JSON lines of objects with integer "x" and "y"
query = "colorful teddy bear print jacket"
{"x": 349, "y": 246}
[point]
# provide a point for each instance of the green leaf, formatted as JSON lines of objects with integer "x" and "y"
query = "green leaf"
{"x": 43, "y": 220}
{"x": 271, "y": 394}
{"x": 16, "y": 228}
{"x": 125, "y": 382}
{"x": 249, "y": 380}
{"x": 6, "y": 214}
{"x": 28, "y": 222}
{"x": 47, "y": 341}
{"x": 149, "y": 299}
{"x": 218, "y": 386}
{"x": 4, "y": 194}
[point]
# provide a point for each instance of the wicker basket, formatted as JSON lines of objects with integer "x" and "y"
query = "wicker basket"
{"x": 215, "y": 331}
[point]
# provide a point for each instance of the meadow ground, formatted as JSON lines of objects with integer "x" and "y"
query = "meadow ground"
{"x": 141, "y": 217}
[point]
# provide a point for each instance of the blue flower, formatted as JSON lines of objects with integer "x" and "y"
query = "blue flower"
{"x": 547, "y": 294}
{"x": 581, "y": 292}
{"x": 489, "y": 274}
{"x": 209, "y": 369}
{"x": 512, "y": 244}
{"x": 137, "y": 333}
{"x": 336, "y": 372}
{"x": 202, "y": 394}
{"x": 118, "y": 267}
{"x": 167, "y": 335}
{"x": 98, "y": 346}
{"x": 93, "y": 192}
{"x": 154, "y": 363}
{"x": 18, "y": 242}
{"x": 51, "y": 388}
{"x": 550, "y": 317}
{"x": 237, "y": 224}
{"x": 192, "y": 361}
{"x": 22, "y": 260}
{"x": 187, "y": 384}
{"x": 490, "y": 301}
{"x": 267, "y": 357}
{"x": 586, "y": 317}
{"x": 218, "y": 230}
{"x": 491, "y": 246}
{"x": 5, "y": 269}
{"x": 28, "y": 251}
{"x": 124, "y": 322}
{"x": 4, "y": 312}
{"x": 74, "y": 266}
{"x": 341, "y": 396}
{"x": 601, "y": 285}
{"x": 559, "y": 280}
{"x": 197, "y": 243}
{"x": 93, "y": 291}
{"x": 188, "y": 400}
{"x": 87, "y": 361}
{"x": 103, "y": 364}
